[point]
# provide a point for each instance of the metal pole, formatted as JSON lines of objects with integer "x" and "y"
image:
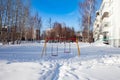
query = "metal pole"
{"x": 78, "y": 47}
{"x": 44, "y": 48}
{"x": 69, "y": 47}
{"x": 57, "y": 49}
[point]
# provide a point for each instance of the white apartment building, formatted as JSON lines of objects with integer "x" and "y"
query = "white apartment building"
{"x": 96, "y": 27}
{"x": 109, "y": 22}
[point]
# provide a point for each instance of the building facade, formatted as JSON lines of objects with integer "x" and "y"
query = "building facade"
{"x": 96, "y": 27}
{"x": 108, "y": 23}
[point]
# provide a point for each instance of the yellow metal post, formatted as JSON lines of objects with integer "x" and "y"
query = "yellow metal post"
{"x": 78, "y": 47}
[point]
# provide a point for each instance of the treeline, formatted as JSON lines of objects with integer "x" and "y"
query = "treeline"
{"x": 16, "y": 22}
{"x": 59, "y": 30}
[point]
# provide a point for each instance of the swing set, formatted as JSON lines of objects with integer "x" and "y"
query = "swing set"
{"x": 67, "y": 49}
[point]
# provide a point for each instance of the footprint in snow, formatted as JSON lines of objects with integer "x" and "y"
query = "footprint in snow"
{"x": 118, "y": 66}
{"x": 50, "y": 66}
{"x": 8, "y": 63}
{"x": 42, "y": 71}
{"x": 41, "y": 63}
{"x": 74, "y": 75}
{"x": 88, "y": 67}
{"x": 73, "y": 69}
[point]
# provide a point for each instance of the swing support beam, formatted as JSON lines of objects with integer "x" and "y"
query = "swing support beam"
{"x": 60, "y": 39}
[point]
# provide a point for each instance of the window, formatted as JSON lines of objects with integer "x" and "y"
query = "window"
{"x": 97, "y": 25}
{"x": 106, "y": 25}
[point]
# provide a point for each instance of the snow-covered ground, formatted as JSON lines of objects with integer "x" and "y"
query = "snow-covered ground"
{"x": 24, "y": 62}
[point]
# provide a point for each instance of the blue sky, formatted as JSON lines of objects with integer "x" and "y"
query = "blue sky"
{"x": 63, "y": 11}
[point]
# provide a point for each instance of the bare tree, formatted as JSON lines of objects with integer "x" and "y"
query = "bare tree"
{"x": 1, "y": 17}
{"x": 59, "y": 31}
{"x": 25, "y": 18}
{"x": 87, "y": 10}
{"x": 38, "y": 25}
{"x": 4, "y": 20}
{"x": 50, "y": 22}
{"x": 14, "y": 16}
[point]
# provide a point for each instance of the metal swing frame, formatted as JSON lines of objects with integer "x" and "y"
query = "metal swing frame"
{"x": 53, "y": 54}
{"x": 62, "y": 39}
{"x": 65, "y": 48}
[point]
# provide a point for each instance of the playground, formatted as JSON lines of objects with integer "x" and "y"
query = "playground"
{"x": 24, "y": 62}
{"x": 55, "y": 47}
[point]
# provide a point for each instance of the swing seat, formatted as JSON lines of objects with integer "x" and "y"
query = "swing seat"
{"x": 66, "y": 51}
{"x": 54, "y": 55}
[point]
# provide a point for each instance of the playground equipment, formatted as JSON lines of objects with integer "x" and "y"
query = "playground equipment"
{"x": 52, "y": 51}
{"x": 65, "y": 47}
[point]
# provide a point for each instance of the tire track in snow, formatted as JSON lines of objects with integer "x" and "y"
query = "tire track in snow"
{"x": 56, "y": 73}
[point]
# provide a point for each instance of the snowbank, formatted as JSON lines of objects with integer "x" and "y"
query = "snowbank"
{"x": 24, "y": 62}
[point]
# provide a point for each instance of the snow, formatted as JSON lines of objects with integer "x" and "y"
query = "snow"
{"x": 97, "y": 61}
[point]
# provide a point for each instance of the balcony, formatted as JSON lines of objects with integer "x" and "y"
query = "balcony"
{"x": 105, "y": 26}
{"x": 105, "y": 22}
{"x": 106, "y": 19}
{"x": 105, "y": 29}
{"x": 105, "y": 14}
{"x": 105, "y": 8}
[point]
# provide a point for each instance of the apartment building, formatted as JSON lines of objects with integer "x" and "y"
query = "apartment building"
{"x": 96, "y": 27}
{"x": 109, "y": 26}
